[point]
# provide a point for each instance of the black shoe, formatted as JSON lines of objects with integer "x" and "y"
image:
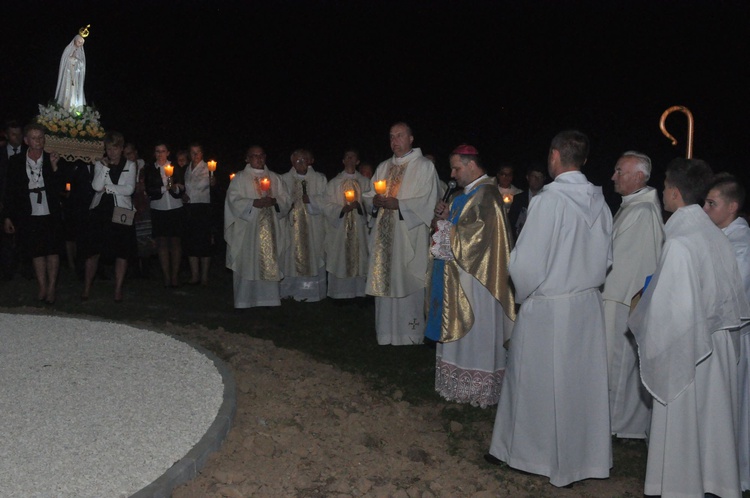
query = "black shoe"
{"x": 492, "y": 459}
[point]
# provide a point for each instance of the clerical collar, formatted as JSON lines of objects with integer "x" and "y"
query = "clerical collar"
{"x": 412, "y": 150}
{"x": 626, "y": 198}
{"x": 473, "y": 184}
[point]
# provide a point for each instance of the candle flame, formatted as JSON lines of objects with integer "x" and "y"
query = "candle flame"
{"x": 380, "y": 187}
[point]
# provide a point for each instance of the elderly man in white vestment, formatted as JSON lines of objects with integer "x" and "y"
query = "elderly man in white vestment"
{"x": 724, "y": 200}
{"x": 399, "y": 251}
{"x": 687, "y": 326}
{"x": 304, "y": 265}
{"x": 471, "y": 306}
{"x": 256, "y": 204}
{"x": 346, "y": 231}
{"x": 553, "y": 415}
{"x": 637, "y": 237}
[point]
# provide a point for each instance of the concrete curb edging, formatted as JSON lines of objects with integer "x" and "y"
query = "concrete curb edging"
{"x": 188, "y": 466}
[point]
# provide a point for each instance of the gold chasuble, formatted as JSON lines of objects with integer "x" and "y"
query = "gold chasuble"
{"x": 299, "y": 221}
{"x": 351, "y": 238}
{"x": 382, "y": 252}
{"x": 481, "y": 244}
{"x": 269, "y": 261}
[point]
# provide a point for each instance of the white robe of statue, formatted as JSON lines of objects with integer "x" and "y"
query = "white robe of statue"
{"x": 69, "y": 93}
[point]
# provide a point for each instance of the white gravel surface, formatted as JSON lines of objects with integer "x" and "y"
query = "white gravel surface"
{"x": 96, "y": 409}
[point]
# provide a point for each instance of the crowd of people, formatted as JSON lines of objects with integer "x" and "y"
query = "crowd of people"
{"x": 578, "y": 325}
{"x": 119, "y": 208}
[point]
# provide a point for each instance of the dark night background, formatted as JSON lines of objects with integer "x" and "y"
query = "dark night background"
{"x": 504, "y": 76}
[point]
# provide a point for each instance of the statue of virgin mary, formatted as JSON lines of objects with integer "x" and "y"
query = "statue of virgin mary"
{"x": 69, "y": 93}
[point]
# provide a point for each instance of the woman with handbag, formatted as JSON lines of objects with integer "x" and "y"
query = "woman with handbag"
{"x": 110, "y": 229}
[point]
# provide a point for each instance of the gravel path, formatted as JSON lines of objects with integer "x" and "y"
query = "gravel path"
{"x": 96, "y": 409}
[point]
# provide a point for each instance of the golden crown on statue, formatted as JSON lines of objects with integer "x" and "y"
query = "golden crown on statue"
{"x": 84, "y": 32}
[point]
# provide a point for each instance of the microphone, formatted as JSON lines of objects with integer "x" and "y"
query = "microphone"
{"x": 451, "y": 187}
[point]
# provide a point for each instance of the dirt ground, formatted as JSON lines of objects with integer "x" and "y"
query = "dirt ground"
{"x": 307, "y": 429}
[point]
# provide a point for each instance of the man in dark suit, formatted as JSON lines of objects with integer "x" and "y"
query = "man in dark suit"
{"x": 14, "y": 137}
{"x": 32, "y": 209}
{"x": 536, "y": 175}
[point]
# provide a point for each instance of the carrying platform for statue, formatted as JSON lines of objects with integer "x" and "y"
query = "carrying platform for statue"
{"x": 72, "y": 149}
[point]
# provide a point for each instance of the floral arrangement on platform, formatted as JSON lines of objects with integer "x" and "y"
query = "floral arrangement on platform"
{"x": 81, "y": 123}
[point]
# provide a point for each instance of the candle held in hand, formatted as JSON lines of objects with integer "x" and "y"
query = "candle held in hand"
{"x": 380, "y": 187}
{"x": 350, "y": 195}
{"x": 265, "y": 184}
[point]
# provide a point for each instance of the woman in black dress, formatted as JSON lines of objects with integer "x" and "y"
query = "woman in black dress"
{"x": 166, "y": 213}
{"x": 107, "y": 234}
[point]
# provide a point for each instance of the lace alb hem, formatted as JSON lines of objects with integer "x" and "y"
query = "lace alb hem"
{"x": 475, "y": 387}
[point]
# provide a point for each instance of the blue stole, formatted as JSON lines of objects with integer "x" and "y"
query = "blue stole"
{"x": 437, "y": 282}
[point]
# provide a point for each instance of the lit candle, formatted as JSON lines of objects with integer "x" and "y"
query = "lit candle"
{"x": 350, "y": 195}
{"x": 380, "y": 187}
{"x": 168, "y": 170}
{"x": 508, "y": 199}
{"x": 231, "y": 177}
{"x": 265, "y": 184}
{"x": 211, "y": 167}
{"x": 67, "y": 187}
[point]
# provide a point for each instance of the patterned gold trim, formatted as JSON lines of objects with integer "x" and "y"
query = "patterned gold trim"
{"x": 72, "y": 149}
{"x": 386, "y": 225}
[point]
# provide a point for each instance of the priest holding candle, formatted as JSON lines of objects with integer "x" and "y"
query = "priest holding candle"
{"x": 399, "y": 247}
{"x": 256, "y": 205}
{"x": 346, "y": 231}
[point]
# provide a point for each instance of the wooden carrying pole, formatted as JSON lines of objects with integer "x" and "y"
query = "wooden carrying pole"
{"x": 689, "y": 115}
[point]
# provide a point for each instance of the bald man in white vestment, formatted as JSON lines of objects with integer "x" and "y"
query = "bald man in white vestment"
{"x": 637, "y": 237}
{"x": 553, "y": 414}
{"x": 255, "y": 231}
{"x": 399, "y": 249}
{"x": 687, "y": 327}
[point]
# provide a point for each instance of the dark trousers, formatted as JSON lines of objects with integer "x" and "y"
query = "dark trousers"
{"x": 8, "y": 262}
